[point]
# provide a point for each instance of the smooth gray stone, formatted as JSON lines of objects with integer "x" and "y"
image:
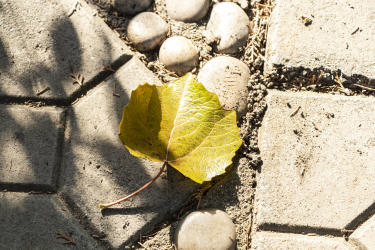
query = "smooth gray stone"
{"x": 147, "y": 30}
{"x": 228, "y": 78}
{"x": 187, "y": 10}
{"x": 178, "y": 54}
{"x": 131, "y": 7}
{"x": 206, "y": 229}
{"x": 231, "y": 23}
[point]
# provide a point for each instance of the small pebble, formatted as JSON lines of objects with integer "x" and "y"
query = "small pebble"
{"x": 229, "y": 22}
{"x": 206, "y": 229}
{"x": 187, "y": 10}
{"x": 146, "y": 30}
{"x": 131, "y": 7}
{"x": 228, "y": 78}
{"x": 178, "y": 54}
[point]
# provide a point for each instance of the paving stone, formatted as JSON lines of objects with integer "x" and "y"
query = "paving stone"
{"x": 331, "y": 40}
{"x": 36, "y": 46}
{"x": 318, "y": 165}
{"x": 364, "y": 236}
{"x": 97, "y": 168}
{"x": 30, "y": 148}
{"x": 206, "y": 229}
{"x": 32, "y": 222}
{"x": 280, "y": 241}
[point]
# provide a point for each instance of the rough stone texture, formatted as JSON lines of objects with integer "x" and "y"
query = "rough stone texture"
{"x": 229, "y": 22}
{"x": 32, "y": 222}
{"x": 318, "y": 165}
{"x": 280, "y": 241}
{"x": 364, "y": 236}
{"x": 30, "y": 148}
{"x": 178, "y": 54}
{"x": 206, "y": 229}
{"x": 35, "y": 47}
{"x": 329, "y": 40}
{"x": 228, "y": 78}
{"x": 131, "y": 7}
{"x": 146, "y": 31}
{"x": 187, "y": 10}
{"x": 97, "y": 168}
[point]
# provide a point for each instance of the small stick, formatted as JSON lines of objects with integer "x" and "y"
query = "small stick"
{"x": 104, "y": 206}
{"x": 295, "y": 111}
{"x": 39, "y": 92}
{"x": 264, "y": 59}
{"x": 355, "y": 31}
{"x": 364, "y": 87}
{"x": 114, "y": 90}
{"x": 315, "y": 126}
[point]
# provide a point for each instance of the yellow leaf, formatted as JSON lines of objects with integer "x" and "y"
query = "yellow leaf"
{"x": 183, "y": 124}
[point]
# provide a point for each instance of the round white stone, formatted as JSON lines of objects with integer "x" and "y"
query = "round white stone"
{"x": 206, "y": 229}
{"x": 228, "y": 78}
{"x": 229, "y": 22}
{"x": 178, "y": 54}
{"x": 146, "y": 31}
{"x": 131, "y": 7}
{"x": 187, "y": 10}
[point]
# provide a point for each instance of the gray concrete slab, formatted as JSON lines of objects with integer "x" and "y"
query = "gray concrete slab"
{"x": 30, "y": 148}
{"x": 98, "y": 169}
{"x": 33, "y": 221}
{"x": 37, "y": 38}
{"x": 318, "y": 164}
{"x": 281, "y": 241}
{"x": 340, "y": 35}
{"x": 364, "y": 236}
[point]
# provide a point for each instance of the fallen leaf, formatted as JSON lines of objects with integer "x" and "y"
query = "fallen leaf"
{"x": 183, "y": 124}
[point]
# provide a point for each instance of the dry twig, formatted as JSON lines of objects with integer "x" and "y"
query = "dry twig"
{"x": 39, "y": 92}
{"x": 107, "y": 68}
{"x": 78, "y": 78}
{"x": 67, "y": 237}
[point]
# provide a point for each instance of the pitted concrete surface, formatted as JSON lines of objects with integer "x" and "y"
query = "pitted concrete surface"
{"x": 340, "y": 35}
{"x": 280, "y": 241}
{"x": 33, "y": 222}
{"x": 39, "y": 38}
{"x": 30, "y": 148}
{"x": 318, "y": 165}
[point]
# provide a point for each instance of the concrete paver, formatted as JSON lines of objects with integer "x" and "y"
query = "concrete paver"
{"x": 364, "y": 236}
{"x": 38, "y": 38}
{"x": 32, "y": 222}
{"x": 98, "y": 169}
{"x": 339, "y": 37}
{"x": 30, "y": 148}
{"x": 318, "y": 165}
{"x": 281, "y": 241}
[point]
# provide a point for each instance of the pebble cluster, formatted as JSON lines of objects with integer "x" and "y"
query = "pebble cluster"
{"x": 226, "y": 33}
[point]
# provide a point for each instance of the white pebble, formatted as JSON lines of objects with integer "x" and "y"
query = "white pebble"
{"x": 146, "y": 31}
{"x": 228, "y": 78}
{"x": 229, "y": 22}
{"x": 206, "y": 229}
{"x": 187, "y": 10}
{"x": 131, "y": 7}
{"x": 178, "y": 54}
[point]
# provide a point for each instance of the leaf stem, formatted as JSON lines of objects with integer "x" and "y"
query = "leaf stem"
{"x": 104, "y": 206}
